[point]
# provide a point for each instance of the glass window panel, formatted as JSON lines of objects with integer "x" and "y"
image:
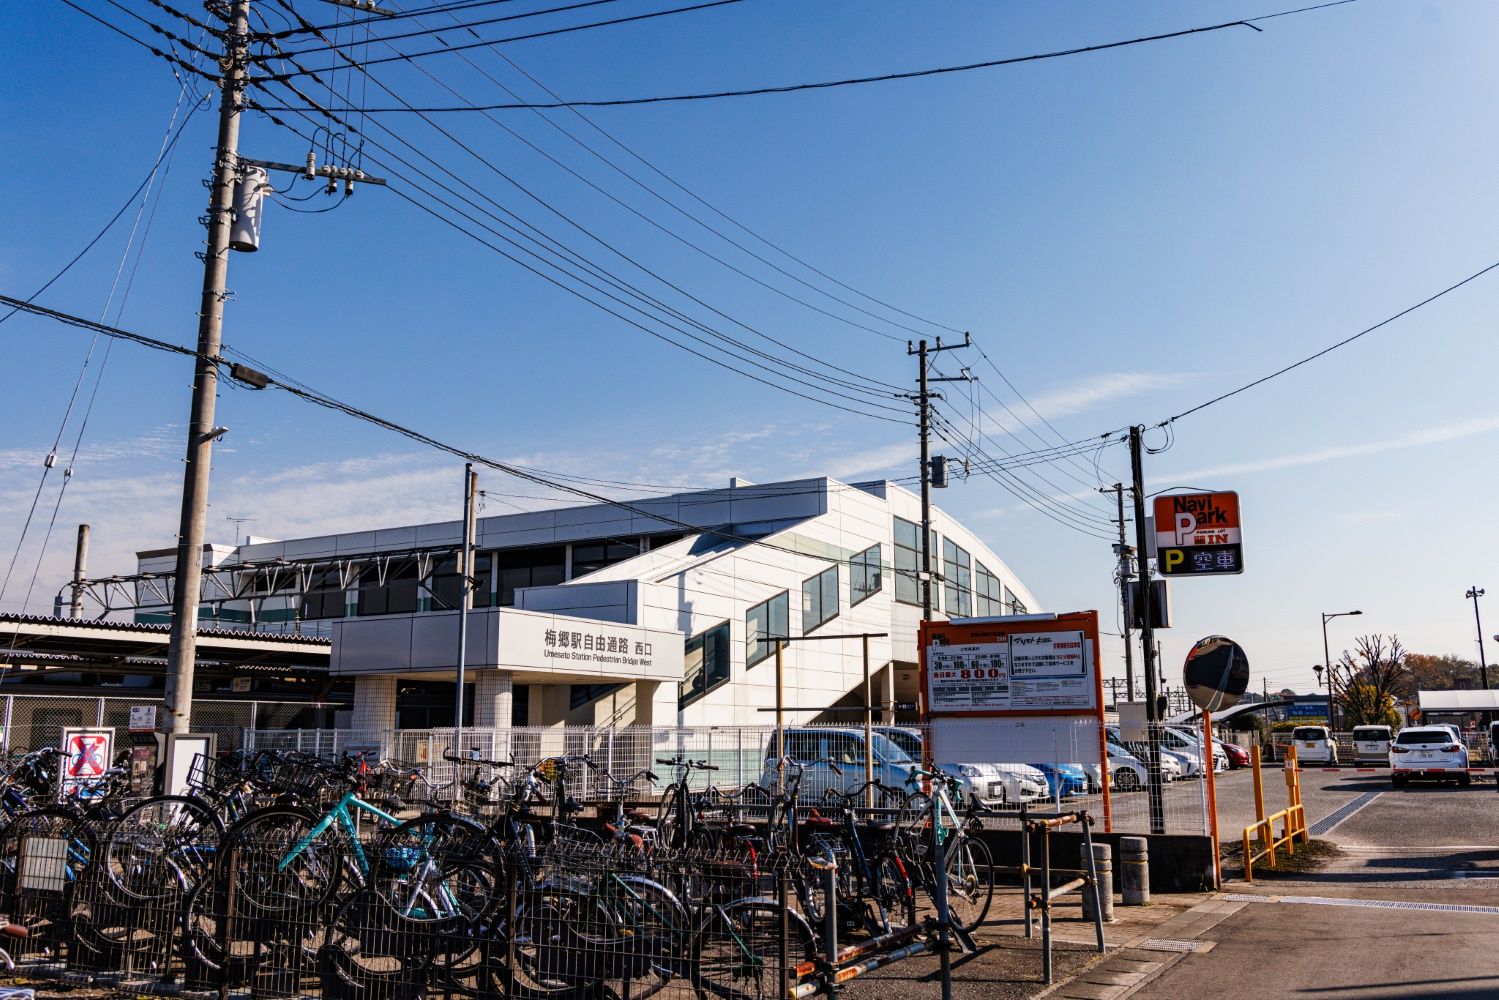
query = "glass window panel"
{"x": 907, "y": 562}
{"x": 768, "y": 618}
{"x": 706, "y": 663}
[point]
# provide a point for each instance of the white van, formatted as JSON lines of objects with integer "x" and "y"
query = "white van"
{"x": 1314, "y": 745}
{"x": 1371, "y": 744}
{"x": 1493, "y": 742}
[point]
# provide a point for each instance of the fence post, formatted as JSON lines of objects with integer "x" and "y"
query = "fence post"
{"x": 98, "y": 713}
{"x": 225, "y": 941}
{"x": 10, "y": 702}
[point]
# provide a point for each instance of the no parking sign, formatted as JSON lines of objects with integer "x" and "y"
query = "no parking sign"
{"x": 86, "y": 756}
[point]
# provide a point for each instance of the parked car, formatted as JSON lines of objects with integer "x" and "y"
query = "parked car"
{"x": 1237, "y": 756}
{"x": 1182, "y": 741}
{"x": 1179, "y": 766}
{"x": 1314, "y": 745}
{"x": 1493, "y": 742}
{"x": 1126, "y": 772}
{"x": 845, "y": 747}
{"x": 1428, "y": 752}
{"x": 995, "y": 783}
{"x": 1063, "y": 779}
{"x": 1371, "y": 744}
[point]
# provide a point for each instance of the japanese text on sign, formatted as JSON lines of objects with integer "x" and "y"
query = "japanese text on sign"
{"x": 1034, "y": 671}
{"x": 1198, "y": 534}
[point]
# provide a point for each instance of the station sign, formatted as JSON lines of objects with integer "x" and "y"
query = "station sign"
{"x": 1198, "y": 534}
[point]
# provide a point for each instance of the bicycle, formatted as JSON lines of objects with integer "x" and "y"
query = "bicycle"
{"x": 968, "y": 866}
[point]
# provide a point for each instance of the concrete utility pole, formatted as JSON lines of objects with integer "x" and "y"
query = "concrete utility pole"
{"x": 1147, "y": 636}
{"x": 1483, "y": 664}
{"x": 923, "y": 402}
{"x": 201, "y": 432}
{"x": 465, "y": 590}
{"x": 80, "y": 569}
{"x": 1125, "y": 553}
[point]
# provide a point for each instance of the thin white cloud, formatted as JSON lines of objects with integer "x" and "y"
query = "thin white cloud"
{"x": 1092, "y": 391}
{"x": 1415, "y": 439}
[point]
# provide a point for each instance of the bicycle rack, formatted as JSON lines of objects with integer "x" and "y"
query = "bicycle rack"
{"x": 1086, "y": 881}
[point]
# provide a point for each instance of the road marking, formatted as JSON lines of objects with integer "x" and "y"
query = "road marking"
{"x": 1333, "y": 819}
{"x": 1381, "y": 904}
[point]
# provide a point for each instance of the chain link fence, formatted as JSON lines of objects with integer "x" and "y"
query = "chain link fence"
{"x": 29, "y": 722}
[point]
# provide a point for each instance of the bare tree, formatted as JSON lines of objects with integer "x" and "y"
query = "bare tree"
{"x": 1370, "y": 677}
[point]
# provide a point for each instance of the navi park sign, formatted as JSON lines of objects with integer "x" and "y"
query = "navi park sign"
{"x": 1197, "y": 534}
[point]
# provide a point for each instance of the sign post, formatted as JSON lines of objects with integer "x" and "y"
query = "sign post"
{"x": 1216, "y": 675}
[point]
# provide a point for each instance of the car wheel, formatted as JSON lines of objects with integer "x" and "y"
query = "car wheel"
{"x": 1397, "y": 780}
{"x": 1126, "y": 780}
{"x": 1464, "y": 780}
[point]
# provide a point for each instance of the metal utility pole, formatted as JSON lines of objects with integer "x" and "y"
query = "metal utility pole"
{"x": 465, "y": 590}
{"x": 923, "y": 402}
{"x": 1483, "y": 664}
{"x": 80, "y": 568}
{"x": 1125, "y": 552}
{"x": 1147, "y": 636}
{"x": 1327, "y": 665}
{"x": 201, "y": 433}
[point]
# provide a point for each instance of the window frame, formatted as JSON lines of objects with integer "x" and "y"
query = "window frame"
{"x": 957, "y": 579}
{"x": 820, "y": 581}
{"x": 914, "y": 573}
{"x": 683, "y": 698}
{"x": 859, "y": 564}
{"x": 749, "y": 659}
{"x": 995, "y": 605}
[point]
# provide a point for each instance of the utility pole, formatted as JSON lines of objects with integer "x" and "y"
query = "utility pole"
{"x": 80, "y": 567}
{"x": 1147, "y": 635}
{"x": 1483, "y": 664}
{"x": 923, "y": 402}
{"x": 465, "y": 589}
{"x": 201, "y": 433}
{"x": 1125, "y": 553}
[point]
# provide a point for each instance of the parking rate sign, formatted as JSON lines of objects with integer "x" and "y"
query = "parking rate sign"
{"x": 1197, "y": 534}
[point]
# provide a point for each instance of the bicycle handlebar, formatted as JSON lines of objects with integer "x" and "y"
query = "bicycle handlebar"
{"x": 457, "y": 759}
{"x": 691, "y": 765}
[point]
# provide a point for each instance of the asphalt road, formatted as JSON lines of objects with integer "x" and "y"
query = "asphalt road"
{"x": 1410, "y": 909}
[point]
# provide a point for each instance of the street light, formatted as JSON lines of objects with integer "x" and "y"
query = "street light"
{"x": 1483, "y": 667}
{"x": 1327, "y": 663}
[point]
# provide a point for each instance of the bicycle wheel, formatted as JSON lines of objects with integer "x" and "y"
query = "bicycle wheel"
{"x": 160, "y": 844}
{"x": 894, "y": 892}
{"x": 668, "y": 820}
{"x": 439, "y": 867}
{"x": 654, "y": 923}
{"x": 970, "y": 883}
{"x": 368, "y": 951}
{"x": 736, "y": 954}
{"x": 562, "y": 940}
{"x": 915, "y": 814}
{"x": 272, "y": 874}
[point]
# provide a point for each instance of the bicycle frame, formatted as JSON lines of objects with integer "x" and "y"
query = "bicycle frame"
{"x": 341, "y": 815}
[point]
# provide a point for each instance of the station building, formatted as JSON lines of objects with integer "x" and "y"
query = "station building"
{"x": 657, "y": 611}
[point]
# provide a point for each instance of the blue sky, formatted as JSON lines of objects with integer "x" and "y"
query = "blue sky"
{"x": 1125, "y": 233}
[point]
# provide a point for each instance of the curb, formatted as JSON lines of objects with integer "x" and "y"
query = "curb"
{"x": 1147, "y": 956}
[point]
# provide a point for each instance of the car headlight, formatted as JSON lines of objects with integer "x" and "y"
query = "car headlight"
{"x": 968, "y": 770}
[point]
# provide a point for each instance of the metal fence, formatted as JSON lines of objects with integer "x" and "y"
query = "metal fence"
{"x": 1479, "y": 752}
{"x": 28, "y": 722}
{"x": 744, "y": 755}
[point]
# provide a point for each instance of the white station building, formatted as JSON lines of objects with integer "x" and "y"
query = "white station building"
{"x": 599, "y": 615}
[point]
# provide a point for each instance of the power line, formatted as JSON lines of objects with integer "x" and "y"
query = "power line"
{"x": 311, "y": 395}
{"x": 797, "y": 87}
{"x": 1331, "y": 347}
{"x": 330, "y": 46}
{"x": 596, "y": 272}
{"x": 407, "y": 57}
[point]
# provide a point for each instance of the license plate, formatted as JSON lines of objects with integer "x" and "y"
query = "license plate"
{"x": 1311, "y": 746}
{"x": 1424, "y": 755}
{"x": 996, "y": 789}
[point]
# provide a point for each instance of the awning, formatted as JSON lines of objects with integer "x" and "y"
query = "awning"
{"x": 1458, "y": 701}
